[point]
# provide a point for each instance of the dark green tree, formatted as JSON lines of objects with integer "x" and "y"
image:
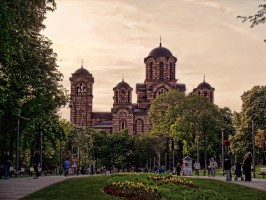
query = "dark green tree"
{"x": 30, "y": 82}
{"x": 253, "y": 109}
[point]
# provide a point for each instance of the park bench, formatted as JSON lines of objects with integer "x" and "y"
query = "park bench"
{"x": 12, "y": 171}
{"x": 262, "y": 172}
{"x": 31, "y": 171}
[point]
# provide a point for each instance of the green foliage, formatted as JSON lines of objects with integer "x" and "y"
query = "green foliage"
{"x": 257, "y": 18}
{"x": 30, "y": 83}
{"x": 164, "y": 110}
{"x": 113, "y": 150}
{"x": 253, "y": 109}
{"x": 190, "y": 119}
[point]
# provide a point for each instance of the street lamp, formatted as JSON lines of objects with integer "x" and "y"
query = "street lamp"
{"x": 222, "y": 140}
{"x": 18, "y": 147}
{"x": 253, "y": 147}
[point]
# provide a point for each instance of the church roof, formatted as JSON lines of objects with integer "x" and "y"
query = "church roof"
{"x": 181, "y": 87}
{"x": 160, "y": 52}
{"x": 82, "y": 71}
{"x": 103, "y": 115}
{"x": 204, "y": 85}
{"x": 104, "y": 124}
{"x": 123, "y": 84}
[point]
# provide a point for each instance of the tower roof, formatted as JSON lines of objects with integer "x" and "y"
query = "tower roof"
{"x": 160, "y": 52}
{"x": 82, "y": 71}
{"x": 204, "y": 85}
{"x": 123, "y": 84}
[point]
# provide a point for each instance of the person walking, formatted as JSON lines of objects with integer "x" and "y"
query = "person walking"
{"x": 92, "y": 168}
{"x": 213, "y": 165}
{"x": 67, "y": 166}
{"x": 227, "y": 168}
{"x": 247, "y": 166}
{"x": 178, "y": 169}
{"x": 7, "y": 161}
{"x": 36, "y": 162}
{"x": 197, "y": 167}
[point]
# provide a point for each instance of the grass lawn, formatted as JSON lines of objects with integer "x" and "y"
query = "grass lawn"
{"x": 91, "y": 188}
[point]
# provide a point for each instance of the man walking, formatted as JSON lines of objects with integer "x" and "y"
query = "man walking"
{"x": 36, "y": 162}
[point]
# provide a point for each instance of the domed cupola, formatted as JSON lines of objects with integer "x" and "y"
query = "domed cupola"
{"x": 122, "y": 93}
{"x": 204, "y": 85}
{"x": 82, "y": 71}
{"x": 160, "y": 64}
{"x": 160, "y": 52}
{"x": 205, "y": 89}
{"x": 123, "y": 84}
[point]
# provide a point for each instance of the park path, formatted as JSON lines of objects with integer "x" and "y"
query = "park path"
{"x": 16, "y": 188}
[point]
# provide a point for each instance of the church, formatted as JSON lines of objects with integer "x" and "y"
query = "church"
{"x": 160, "y": 77}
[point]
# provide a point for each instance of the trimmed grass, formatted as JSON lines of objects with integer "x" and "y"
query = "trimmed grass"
{"x": 91, "y": 188}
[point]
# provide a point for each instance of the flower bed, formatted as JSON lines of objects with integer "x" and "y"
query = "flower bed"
{"x": 174, "y": 180}
{"x": 132, "y": 190}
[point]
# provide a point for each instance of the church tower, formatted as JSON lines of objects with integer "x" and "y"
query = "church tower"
{"x": 122, "y": 111}
{"x": 205, "y": 89}
{"x": 81, "y": 97}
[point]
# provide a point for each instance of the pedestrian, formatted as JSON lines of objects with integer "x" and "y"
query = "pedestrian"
{"x": 197, "y": 167}
{"x": 91, "y": 168}
{"x": 36, "y": 162}
{"x": 213, "y": 165}
{"x": 7, "y": 161}
{"x": 67, "y": 166}
{"x": 247, "y": 166}
{"x": 178, "y": 169}
{"x": 238, "y": 171}
{"x": 227, "y": 168}
{"x": 82, "y": 170}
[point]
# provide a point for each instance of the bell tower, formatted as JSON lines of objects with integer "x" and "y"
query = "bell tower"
{"x": 81, "y": 97}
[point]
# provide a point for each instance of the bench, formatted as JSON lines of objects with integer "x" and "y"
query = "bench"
{"x": 12, "y": 171}
{"x": 31, "y": 171}
{"x": 262, "y": 172}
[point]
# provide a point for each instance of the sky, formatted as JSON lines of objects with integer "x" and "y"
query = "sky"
{"x": 113, "y": 37}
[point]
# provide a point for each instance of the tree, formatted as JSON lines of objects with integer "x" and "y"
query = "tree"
{"x": 260, "y": 141}
{"x": 30, "y": 81}
{"x": 256, "y": 19}
{"x": 199, "y": 122}
{"x": 253, "y": 109}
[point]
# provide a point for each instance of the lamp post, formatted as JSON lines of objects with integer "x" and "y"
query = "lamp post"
{"x": 18, "y": 147}
{"x": 253, "y": 147}
{"x": 222, "y": 140}
{"x": 197, "y": 141}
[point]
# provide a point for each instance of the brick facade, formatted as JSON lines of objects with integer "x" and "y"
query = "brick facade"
{"x": 160, "y": 66}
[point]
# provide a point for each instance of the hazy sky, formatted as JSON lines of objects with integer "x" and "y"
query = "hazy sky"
{"x": 113, "y": 37}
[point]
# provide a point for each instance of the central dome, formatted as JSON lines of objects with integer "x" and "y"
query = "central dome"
{"x": 160, "y": 52}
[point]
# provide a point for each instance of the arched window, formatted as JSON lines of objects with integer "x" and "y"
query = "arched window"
{"x": 139, "y": 126}
{"x": 172, "y": 71}
{"x": 151, "y": 70}
{"x": 116, "y": 96}
{"x": 128, "y": 97}
{"x": 205, "y": 94}
{"x": 122, "y": 125}
{"x": 161, "y": 91}
{"x": 81, "y": 89}
{"x": 211, "y": 97}
{"x": 161, "y": 70}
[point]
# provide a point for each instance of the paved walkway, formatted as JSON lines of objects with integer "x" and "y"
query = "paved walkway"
{"x": 16, "y": 188}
